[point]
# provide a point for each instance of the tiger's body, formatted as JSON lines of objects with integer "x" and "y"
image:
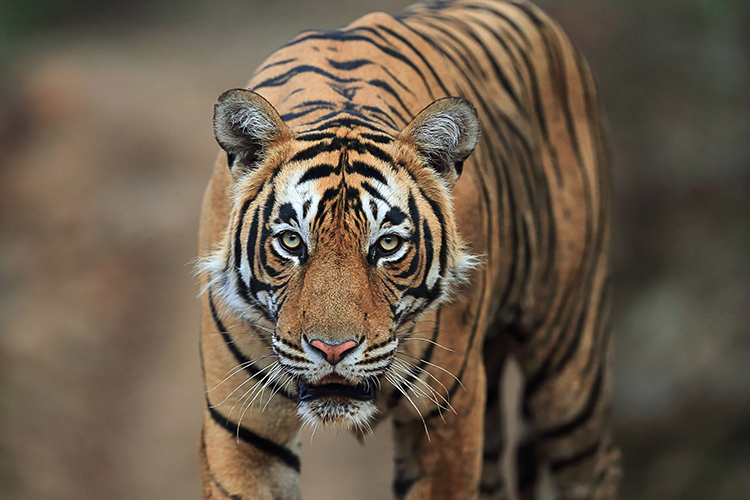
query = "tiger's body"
{"x": 358, "y": 263}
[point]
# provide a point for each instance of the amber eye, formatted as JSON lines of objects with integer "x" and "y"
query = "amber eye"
{"x": 389, "y": 243}
{"x": 291, "y": 240}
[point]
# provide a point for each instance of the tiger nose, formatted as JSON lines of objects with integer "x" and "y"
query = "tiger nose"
{"x": 334, "y": 352}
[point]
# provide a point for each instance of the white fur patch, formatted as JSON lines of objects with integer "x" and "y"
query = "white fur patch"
{"x": 440, "y": 134}
{"x": 338, "y": 412}
{"x": 253, "y": 122}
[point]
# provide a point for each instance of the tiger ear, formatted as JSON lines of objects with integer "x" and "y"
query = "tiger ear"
{"x": 445, "y": 132}
{"x": 245, "y": 125}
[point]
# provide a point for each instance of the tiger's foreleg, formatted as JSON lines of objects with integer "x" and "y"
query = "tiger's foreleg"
{"x": 567, "y": 403}
{"x": 492, "y": 485}
{"x": 447, "y": 464}
{"x": 249, "y": 443}
{"x": 246, "y": 466}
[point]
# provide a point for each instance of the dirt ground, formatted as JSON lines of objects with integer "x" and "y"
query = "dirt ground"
{"x": 105, "y": 149}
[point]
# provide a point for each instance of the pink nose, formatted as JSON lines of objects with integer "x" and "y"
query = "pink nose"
{"x": 334, "y": 352}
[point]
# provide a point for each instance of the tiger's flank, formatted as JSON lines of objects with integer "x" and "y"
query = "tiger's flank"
{"x": 398, "y": 206}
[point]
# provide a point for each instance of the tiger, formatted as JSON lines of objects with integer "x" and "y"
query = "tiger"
{"x": 399, "y": 207}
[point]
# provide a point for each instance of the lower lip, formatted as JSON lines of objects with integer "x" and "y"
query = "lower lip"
{"x": 360, "y": 392}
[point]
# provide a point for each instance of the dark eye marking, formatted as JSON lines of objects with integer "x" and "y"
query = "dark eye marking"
{"x": 287, "y": 213}
{"x": 394, "y": 216}
{"x": 373, "y": 192}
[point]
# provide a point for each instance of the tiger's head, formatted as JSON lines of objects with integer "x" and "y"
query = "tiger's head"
{"x": 339, "y": 235}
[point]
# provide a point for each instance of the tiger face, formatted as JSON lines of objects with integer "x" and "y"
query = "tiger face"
{"x": 340, "y": 236}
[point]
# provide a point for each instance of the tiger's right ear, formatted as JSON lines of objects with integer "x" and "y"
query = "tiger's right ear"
{"x": 245, "y": 126}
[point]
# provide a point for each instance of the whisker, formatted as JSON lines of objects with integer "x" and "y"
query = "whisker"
{"x": 402, "y": 391}
{"x": 404, "y": 366}
{"x": 407, "y": 333}
{"x": 405, "y": 338}
{"x": 263, "y": 383}
{"x": 261, "y": 386}
{"x": 419, "y": 392}
{"x": 269, "y": 330}
{"x": 238, "y": 388}
{"x": 238, "y": 341}
{"x": 421, "y": 360}
{"x": 253, "y": 387}
{"x": 422, "y": 370}
{"x": 237, "y": 369}
{"x": 411, "y": 326}
{"x": 275, "y": 391}
{"x": 257, "y": 334}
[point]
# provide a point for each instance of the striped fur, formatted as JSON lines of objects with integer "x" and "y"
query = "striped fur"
{"x": 367, "y": 252}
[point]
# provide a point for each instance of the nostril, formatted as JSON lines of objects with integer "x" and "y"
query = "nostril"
{"x": 334, "y": 352}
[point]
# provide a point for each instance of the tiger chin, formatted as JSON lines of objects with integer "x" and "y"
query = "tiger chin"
{"x": 398, "y": 207}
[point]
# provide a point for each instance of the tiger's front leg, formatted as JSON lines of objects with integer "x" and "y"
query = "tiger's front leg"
{"x": 249, "y": 444}
{"x": 246, "y": 465}
{"x": 438, "y": 459}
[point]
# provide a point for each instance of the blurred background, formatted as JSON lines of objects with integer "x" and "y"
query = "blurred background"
{"x": 105, "y": 148}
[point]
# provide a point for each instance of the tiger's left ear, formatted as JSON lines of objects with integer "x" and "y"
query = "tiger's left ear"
{"x": 445, "y": 132}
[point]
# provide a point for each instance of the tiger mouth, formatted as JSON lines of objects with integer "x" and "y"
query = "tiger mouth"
{"x": 360, "y": 392}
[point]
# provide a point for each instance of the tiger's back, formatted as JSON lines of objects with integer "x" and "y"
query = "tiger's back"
{"x": 530, "y": 203}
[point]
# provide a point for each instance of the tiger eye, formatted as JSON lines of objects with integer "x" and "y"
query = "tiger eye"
{"x": 291, "y": 240}
{"x": 389, "y": 243}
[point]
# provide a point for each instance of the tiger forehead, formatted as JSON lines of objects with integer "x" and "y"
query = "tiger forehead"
{"x": 343, "y": 157}
{"x": 341, "y": 179}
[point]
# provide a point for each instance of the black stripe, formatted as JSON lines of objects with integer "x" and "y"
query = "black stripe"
{"x": 528, "y": 464}
{"x": 341, "y": 120}
{"x": 402, "y": 486}
{"x": 311, "y": 152}
{"x": 346, "y": 36}
{"x": 419, "y": 54}
{"x": 238, "y": 355}
{"x": 485, "y": 9}
{"x": 586, "y": 412}
{"x": 385, "y": 86}
{"x": 319, "y": 136}
{"x": 491, "y": 489}
{"x": 280, "y": 80}
{"x": 348, "y": 65}
{"x": 416, "y": 239}
{"x": 489, "y": 56}
{"x": 277, "y": 63}
{"x": 382, "y": 117}
{"x": 241, "y": 285}
{"x": 581, "y": 456}
{"x": 376, "y": 138}
{"x": 317, "y": 172}
{"x": 266, "y": 445}
{"x": 465, "y": 53}
{"x": 365, "y": 170}
{"x": 373, "y": 192}
{"x": 310, "y": 109}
